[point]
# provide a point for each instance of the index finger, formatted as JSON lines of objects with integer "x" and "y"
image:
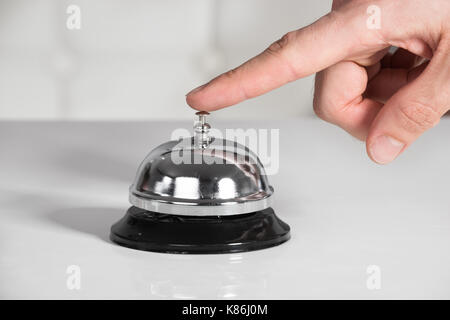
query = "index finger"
{"x": 297, "y": 54}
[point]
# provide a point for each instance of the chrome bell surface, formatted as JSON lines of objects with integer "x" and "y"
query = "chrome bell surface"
{"x": 201, "y": 176}
{"x": 200, "y": 195}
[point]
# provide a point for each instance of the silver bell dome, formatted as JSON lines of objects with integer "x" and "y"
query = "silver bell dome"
{"x": 201, "y": 176}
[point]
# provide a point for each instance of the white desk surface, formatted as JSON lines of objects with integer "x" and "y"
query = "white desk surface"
{"x": 63, "y": 184}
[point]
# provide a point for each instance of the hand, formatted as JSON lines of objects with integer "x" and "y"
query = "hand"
{"x": 386, "y": 99}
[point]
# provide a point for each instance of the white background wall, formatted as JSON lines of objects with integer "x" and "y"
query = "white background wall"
{"x": 136, "y": 59}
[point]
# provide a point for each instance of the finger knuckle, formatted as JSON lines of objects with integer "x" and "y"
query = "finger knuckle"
{"x": 281, "y": 44}
{"x": 318, "y": 110}
{"x": 417, "y": 117}
{"x": 322, "y": 110}
{"x": 233, "y": 73}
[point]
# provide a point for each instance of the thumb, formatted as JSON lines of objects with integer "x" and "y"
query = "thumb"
{"x": 414, "y": 109}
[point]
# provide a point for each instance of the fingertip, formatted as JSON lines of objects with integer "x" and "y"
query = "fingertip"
{"x": 199, "y": 101}
{"x": 191, "y": 102}
{"x": 384, "y": 149}
{"x": 219, "y": 93}
{"x": 199, "y": 88}
{"x": 369, "y": 152}
{"x": 195, "y": 99}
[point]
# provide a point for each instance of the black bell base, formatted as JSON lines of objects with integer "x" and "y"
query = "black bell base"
{"x": 151, "y": 231}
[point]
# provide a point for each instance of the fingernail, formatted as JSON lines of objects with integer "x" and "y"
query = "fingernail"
{"x": 385, "y": 149}
{"x": 196, "y": 89}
